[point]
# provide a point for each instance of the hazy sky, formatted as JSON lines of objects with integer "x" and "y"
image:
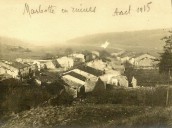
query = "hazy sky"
{"x": 60, "y": 27}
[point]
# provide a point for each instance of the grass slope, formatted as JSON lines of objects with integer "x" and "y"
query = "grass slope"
{"x": 91, "y": 115}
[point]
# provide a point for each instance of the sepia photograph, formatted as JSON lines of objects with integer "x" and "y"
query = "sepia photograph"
{"x": 86, "y": 64}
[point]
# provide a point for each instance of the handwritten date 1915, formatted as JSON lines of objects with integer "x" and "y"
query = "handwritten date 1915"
{"x": 144, "y": 8}
{"x": 141, "y": 9}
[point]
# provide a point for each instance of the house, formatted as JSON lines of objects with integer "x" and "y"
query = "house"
{"x": 105, "y": 67}
{"x": 38, "y": 64}
{"x": 88, "y": 79}
{"x": 65, "y": 62}
{"x": 88, "y": 56}
{"x": 71, "y": 79}
{"x": 52, "y": 64}
{"x": 71, "y": 91}
{"x": 97, "y": 64}
{"x": 139, "y": 60}
{"x": 118, "y": 81}
{"x": 117, "y": 66}
{"x": 144, "y": 61}
{"x": 90, "y": 84}
{"x": 77, "y": 61}
{"x": 95, "y": 54}
{"x": 78, "y": 78}
{"x": 16, "y": 69}
{"x": 126, "y": 56}
{"x": 107, "y": 77}
{"x": 46, "y": 64}
{"x": 28, "y": 61}
{"x": 78, "y": 56}
{"x": 74, "y": 85}
{"x": 122, "y": 81}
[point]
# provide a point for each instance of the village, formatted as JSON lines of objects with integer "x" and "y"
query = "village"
{"x": 86, "y": 64}
{"x": 80, "y": 71}
{"x": 83, "y": 86}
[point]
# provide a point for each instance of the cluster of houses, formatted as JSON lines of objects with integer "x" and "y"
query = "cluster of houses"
{"x": 138, "y": 60}
{"x": 79, "y": 71}
{"x": 93, "y": 76}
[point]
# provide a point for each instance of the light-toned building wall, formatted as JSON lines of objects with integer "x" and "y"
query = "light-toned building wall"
{"x": 2, "y": 70}
{"x": 14, "y": 72}
{"x": 66, "y": 62}
{"x": 145, "y": 61}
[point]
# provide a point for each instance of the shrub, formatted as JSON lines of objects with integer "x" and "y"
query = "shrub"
{"x": 17, "y": 97}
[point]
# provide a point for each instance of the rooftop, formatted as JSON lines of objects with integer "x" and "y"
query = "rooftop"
{"x": 15, "y": 64}
{"x": 83, "y": 73}
{"x": 97, "y": 64}
{"x": 65, "y": 61}
{"x": 91, "y": 70}
{"x": 127, "y": 53}
{"x": 78, "y": 76}
{"x": 76, "y": 80}
{"x": 138, "y": 55}
{"x": 133, "y": 54}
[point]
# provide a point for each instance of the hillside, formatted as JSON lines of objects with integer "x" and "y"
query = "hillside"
{"x": 89, "y": 115}
{"x": 138, "y": 41}
{"x": 12, "y": 48}
{"x": 147, "y": 40}
{"x": 12, "y": 42}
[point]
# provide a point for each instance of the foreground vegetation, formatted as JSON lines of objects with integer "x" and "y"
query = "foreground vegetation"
{"x": 31, "y": 106}
{"x": 91, "y": 115}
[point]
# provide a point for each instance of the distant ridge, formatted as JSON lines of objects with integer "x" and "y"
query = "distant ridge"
{"x": 150, "y": 39}
{"x": 12, "y": 41}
